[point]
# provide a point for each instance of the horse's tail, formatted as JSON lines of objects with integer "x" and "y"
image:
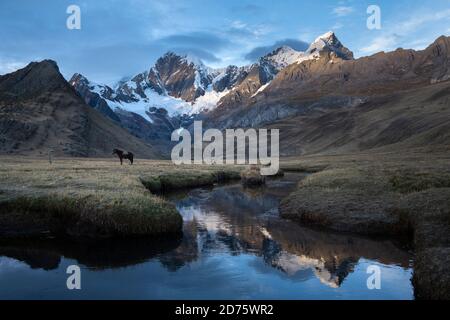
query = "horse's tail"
{"x": 131, "y": 157}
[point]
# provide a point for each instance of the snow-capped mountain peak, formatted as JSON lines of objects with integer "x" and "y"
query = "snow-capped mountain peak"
{"x": 191, "y": 59}
{"x": 284, "y": 56}
{"x": 100, "y": 89}
{"x": 326, "y": 37}
{"x": 329, "y": 41}
{"x": 183, "y": 84}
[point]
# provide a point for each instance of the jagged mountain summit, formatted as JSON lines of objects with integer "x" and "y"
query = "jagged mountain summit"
{"x": 329, "y": 42}
{"x": 182, "y": 84}
{"x": 285, "y": 55}
{"x": 178, "y": 84}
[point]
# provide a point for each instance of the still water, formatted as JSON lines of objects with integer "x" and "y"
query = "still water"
{"x": 234, "y": 246}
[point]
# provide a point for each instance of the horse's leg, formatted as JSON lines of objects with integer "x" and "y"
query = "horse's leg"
{"x": 121, "y": 160}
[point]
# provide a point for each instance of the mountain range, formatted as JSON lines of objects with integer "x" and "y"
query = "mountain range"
{"x": 182, "y": 84}
{"x": 323, "y": 99}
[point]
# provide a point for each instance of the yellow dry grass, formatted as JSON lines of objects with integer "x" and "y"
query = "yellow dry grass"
{"x": 98, "y": 196}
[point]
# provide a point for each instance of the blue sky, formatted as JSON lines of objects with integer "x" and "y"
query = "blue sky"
{"x": 120, "y": 38}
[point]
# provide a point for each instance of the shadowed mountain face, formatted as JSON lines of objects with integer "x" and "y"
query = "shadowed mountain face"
{"x": 179, "y": 77}
{"x": 93, "y": 98}
{"x": 417, "y": 118}
{"x": 40, "y": 111}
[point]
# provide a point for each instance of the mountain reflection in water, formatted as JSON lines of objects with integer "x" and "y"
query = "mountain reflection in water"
{"x": 234, "y": 245}
{"x": 237, "y": 220}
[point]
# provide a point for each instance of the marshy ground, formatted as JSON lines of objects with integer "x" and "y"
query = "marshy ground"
{"x": 399, "y": 194}
{"x": 95, "y": 197}
{"x": 403, "y": 194}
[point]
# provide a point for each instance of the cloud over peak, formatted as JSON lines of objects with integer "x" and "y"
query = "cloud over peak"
{"x": 342, "y": 11}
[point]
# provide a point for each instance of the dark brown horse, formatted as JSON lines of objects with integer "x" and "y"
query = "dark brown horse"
{"x": 123, "y": 155}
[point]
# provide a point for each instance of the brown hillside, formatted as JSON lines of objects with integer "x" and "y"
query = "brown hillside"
{"x": 40, "y": 111}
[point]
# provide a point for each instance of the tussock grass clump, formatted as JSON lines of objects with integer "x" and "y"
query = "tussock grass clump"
{"x": 188, "y": 179}
{"x": 252, "y": 177}
{"x": 93, "y": 215}
{"x": 302, "y": 168}
{"x": 408, "y": 182}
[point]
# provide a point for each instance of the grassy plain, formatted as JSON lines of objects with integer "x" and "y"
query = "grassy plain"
{"x": 404, "y": 194}
{"x": 95, "y": 197}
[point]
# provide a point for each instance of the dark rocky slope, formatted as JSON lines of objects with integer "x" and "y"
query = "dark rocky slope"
{"x": 40, "y": 112}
